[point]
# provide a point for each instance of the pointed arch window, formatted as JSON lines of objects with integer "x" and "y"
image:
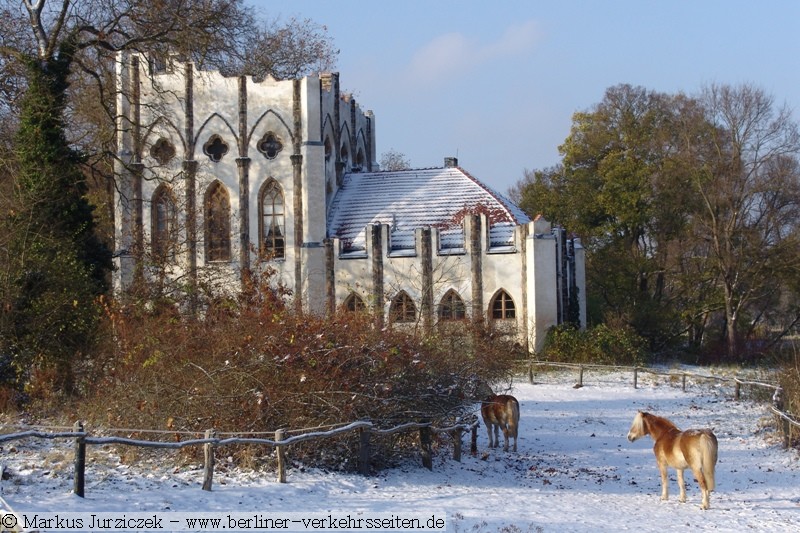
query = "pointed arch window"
{"x": 355, "y": 304}
{"x": 272, "y": 221}
{"x": 164, "y": 221}
{"x": 360, "y": 159}
{"x": 217, "y": 223}
{"x": 503, "y": 306}
{"x": 452, "y": 307}
{"x": 403, "y": 308}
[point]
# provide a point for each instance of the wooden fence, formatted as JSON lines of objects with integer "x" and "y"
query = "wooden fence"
{"x": 365, "y": 429}
{"x": 786, "y": 421}
{"x": 211, "y": 441}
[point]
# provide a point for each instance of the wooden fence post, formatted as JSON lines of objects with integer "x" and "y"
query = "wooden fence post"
{"x": 457, "y": 432}
{"x": 208, "y": 456}
{"x": 683, "y": 382}
{"x": 80, "y": 460}
{"x": 635, "y": 377}
{"x": 580, "y": 378}
{"x": 786, "y": 427}
{"x": 473, "y": 445}
{"x": 281, "y": 456}
{"x": 425, "y": 445}
{"x": 363, "y": 451}
{"x": 737, "y": 392}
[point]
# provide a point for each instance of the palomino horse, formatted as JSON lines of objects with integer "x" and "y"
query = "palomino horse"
{"x": 501, "y": 411}
{"x": 693, "y": 448}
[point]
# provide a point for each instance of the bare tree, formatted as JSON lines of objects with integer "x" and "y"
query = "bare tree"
{"x": 748, "y": 183}
{"x": 394, "y": 160}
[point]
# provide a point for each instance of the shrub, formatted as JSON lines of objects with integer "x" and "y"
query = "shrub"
{"x": 789, "y": 380}
{"x": 254, "y": 365}
{"x": 598, "y": 345}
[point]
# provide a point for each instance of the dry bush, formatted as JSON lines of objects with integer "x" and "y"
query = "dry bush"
{"x": 789, "y": 380}
{"x": 254, "y": 365}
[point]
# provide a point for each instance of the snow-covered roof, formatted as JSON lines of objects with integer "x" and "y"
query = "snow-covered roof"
{"x": 411, "y": 199}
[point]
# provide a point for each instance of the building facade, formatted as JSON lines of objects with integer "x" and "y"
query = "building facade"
{"x": 218, "y": 174}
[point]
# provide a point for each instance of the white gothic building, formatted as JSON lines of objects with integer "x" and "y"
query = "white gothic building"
{"x": 216, "y": 172}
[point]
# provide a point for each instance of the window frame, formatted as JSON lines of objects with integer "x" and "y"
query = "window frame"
{"x": 163, "y": 228}
{"x": 217, "y": 236}
{"x": 503, "y": 304}
{"x": 450, "y": 307}
{"x": 276, "y": 248}
{"x": 402, "y": 309}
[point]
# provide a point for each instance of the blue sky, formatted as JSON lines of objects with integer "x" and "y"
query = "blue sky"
{"x": 496, "y": 83}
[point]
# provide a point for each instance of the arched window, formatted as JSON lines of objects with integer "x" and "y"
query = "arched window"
{"x": 360, "y": 159}
{"x": 503, "y": 306}
{"x": 328, "y": 149}
{"x": 272, "y": 221}
{"x": 217, "y": 223}
{"x": 355, "y": 304}
{"x": 451, "y": 307}
{"x": 403, "y": 308}
{"x": 163, "y": 221}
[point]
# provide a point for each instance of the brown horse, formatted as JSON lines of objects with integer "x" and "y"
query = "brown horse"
{"x": 501, "y": 411}
{"x": 693, "y": 448}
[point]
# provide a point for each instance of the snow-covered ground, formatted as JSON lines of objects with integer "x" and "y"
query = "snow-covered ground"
{"x": 574, "y": 471}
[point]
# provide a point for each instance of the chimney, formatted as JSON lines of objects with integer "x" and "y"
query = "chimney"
{"x": 450, "y": 162}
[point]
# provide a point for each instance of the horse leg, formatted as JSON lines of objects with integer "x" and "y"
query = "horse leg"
{"x": 496, "y": 435}
{"x": 681, "y": 485}
{"x": 701, "y": 481}
{"x": 662, "y": 467}
{"x": 505, "y": 436}
{"x": 489, "y": 432}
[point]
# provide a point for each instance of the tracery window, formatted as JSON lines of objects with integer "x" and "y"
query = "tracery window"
{"x": 270, "y": 145}
{"x": 162, "y": 151}
{"x": 355, "y": 304}
{"x": 451, "y": 307}
{"x": 215, "y": 148}
{"x": 503, "y": 306}
{"x": 163, "y": 221}
{"x": 217, "y": 223}
{"x": 272, "y": 220}
{"x": 403, "y": 308}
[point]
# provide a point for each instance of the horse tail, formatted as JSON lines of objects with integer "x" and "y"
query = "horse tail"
{"x": 514, "y": 422}
{"x": 709, "y": 458}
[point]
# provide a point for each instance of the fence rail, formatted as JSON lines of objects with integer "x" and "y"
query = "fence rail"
{"x": 786, "y": 420}
{"x": 365, "y": 429}
{"x": 210, "y": 442}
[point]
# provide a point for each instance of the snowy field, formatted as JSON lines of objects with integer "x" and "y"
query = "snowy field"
{"x": 574, "y": 471}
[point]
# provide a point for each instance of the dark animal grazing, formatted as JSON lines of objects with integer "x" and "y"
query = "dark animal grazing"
{"x": 501, "y": 411}
{"x": 693, "y": 448}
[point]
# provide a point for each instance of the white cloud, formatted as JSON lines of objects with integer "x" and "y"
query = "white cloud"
{"x": 453, "y": 54}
